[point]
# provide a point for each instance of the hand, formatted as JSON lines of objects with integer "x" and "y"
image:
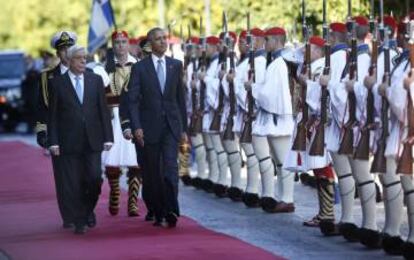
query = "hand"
{"x": 409, "y": 80}
{"x": 248, "y": 85}
{"x": 350, "y": 85}
{"x": 230, "y": 76}
{"x": 41, "y": 138}
{"x": 324, "y": 80}
{"x": 184, "y": 138}
{"x": 370, "y": 81}
{"x": 54, "y": 150}
{"x": 139, "y": 136}
{"x": 127, "y": 134}
{"x": 107, "y": 146}
{"x": 302, "y": 78}
{"x": 201, "y": 75}
{"x": 382, "y": 90}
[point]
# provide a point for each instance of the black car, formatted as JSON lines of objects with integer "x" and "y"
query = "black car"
{"x": 12, "y": 74}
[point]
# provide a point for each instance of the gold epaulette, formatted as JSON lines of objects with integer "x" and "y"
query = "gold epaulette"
{"x": 40, "y": 127}
{"x": 43, "y": 81}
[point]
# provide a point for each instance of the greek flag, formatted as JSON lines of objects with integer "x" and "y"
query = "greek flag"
{"x": 102, "y": 19}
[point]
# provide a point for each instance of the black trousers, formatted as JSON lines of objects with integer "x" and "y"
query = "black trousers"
{"x": 160, "y": 173}
{"x": 81, "y": 178}
{"x": 61, "y": 192}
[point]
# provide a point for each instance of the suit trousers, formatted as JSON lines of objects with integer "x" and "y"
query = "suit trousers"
{"x": 61, "y": 192}
{"x": 160, "y": 173}
{"x": 81, "y": 177}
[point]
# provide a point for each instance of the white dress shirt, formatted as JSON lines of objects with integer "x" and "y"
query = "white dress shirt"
{"x": 63, "y": 69}
{"x": 72, "y": 77}
{"x": 155, "y": 61}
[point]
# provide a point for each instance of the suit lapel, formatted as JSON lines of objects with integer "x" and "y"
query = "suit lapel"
{"x": 87, "y": 88}
{"x": 151, "y": 70}
{"x": 169, "y": 68}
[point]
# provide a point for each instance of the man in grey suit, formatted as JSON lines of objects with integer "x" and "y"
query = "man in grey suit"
{"x": 79, "y": 129}
{"x": 158, "y": 120}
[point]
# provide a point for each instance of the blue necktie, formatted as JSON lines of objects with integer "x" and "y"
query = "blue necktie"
{"x": 160, "y": 74}
{"x": 78, "y": 89}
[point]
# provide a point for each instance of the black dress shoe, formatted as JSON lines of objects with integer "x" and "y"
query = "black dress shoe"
{"x": 171, "y": 219}
{"x": 158, "y": 223}
{"x": 80, "y": 230}
{"x": 91, "y": 222}
{"x": 67, "y": 225}
{"x": 235, "y": 194}
{"x": 149, "y": 216}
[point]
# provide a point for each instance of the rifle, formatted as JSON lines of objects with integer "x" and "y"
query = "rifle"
{"x": 347, "y": 143}
{"x": 299, "y": 144}
{"x": 170, "y": 45}
{"x": 194, "y": 103}
{"x": 183, "y": 48}
{"x": 318, "y": 145}
{"x": 379, "y": 163}
{"x": 228, "y": 132}
{"x": 216, "y": 122}
{"x": 405, "y": 162}
{"x": 201, "y": 66}
{"x": 246, "y": 136}
{"x": 362, "y": 149}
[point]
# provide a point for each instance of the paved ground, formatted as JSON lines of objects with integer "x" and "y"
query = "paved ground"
{"x": 282, "y": 234}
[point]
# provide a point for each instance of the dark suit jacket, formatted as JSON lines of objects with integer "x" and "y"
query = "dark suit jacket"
{"x": 72, "y": 124}
{"x": 148, "y": 107}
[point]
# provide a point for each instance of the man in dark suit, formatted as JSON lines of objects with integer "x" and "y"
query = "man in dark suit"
{"x": 158, "y": 119}
{"x": 79, "y": 129}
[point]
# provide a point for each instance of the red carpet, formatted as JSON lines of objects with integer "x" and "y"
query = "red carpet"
{"x": 30, "y": 227}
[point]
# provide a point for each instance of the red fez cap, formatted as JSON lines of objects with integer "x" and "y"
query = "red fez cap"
{"x": 275, "y": 31}
{"x": 318, "y": 41}
{"x": 338, "y": 27}
{"x": 361, "y": 20}
{"x": 213, "y": 40}
{"x": 256, "y": 32}
{"x": 390, "y": 21}
{"x": 412, "y": 16}
{"x": 193, "y": 40}
{"x": 233, "y": 35}
{"x": 117, "y": 34}
{"x": 133, "y": 41}
{"x": 243, "y": 34}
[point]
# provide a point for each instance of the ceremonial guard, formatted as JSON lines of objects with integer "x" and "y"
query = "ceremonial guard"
{"x": 399, "y": 142}
{"x": 381, "y": 164}
{"x": 237, "y": 77}
{"x": 194, "y": 112}
{"x": 61, "y": 41}
{"x": 273, "y": 124}
{"x": 209, "y": 86}
{"x": 123, "y": 152}
{"x": 341, "y": 163}
{"x": 359, "y": 109}
{"x": 226, "y": 108}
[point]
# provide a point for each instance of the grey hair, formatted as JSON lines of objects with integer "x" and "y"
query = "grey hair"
{"x": 71, "y": 52}
{"x": 150, "y": 33}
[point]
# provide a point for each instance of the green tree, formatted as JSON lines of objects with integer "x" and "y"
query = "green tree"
{"x": 29, "y": 24}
